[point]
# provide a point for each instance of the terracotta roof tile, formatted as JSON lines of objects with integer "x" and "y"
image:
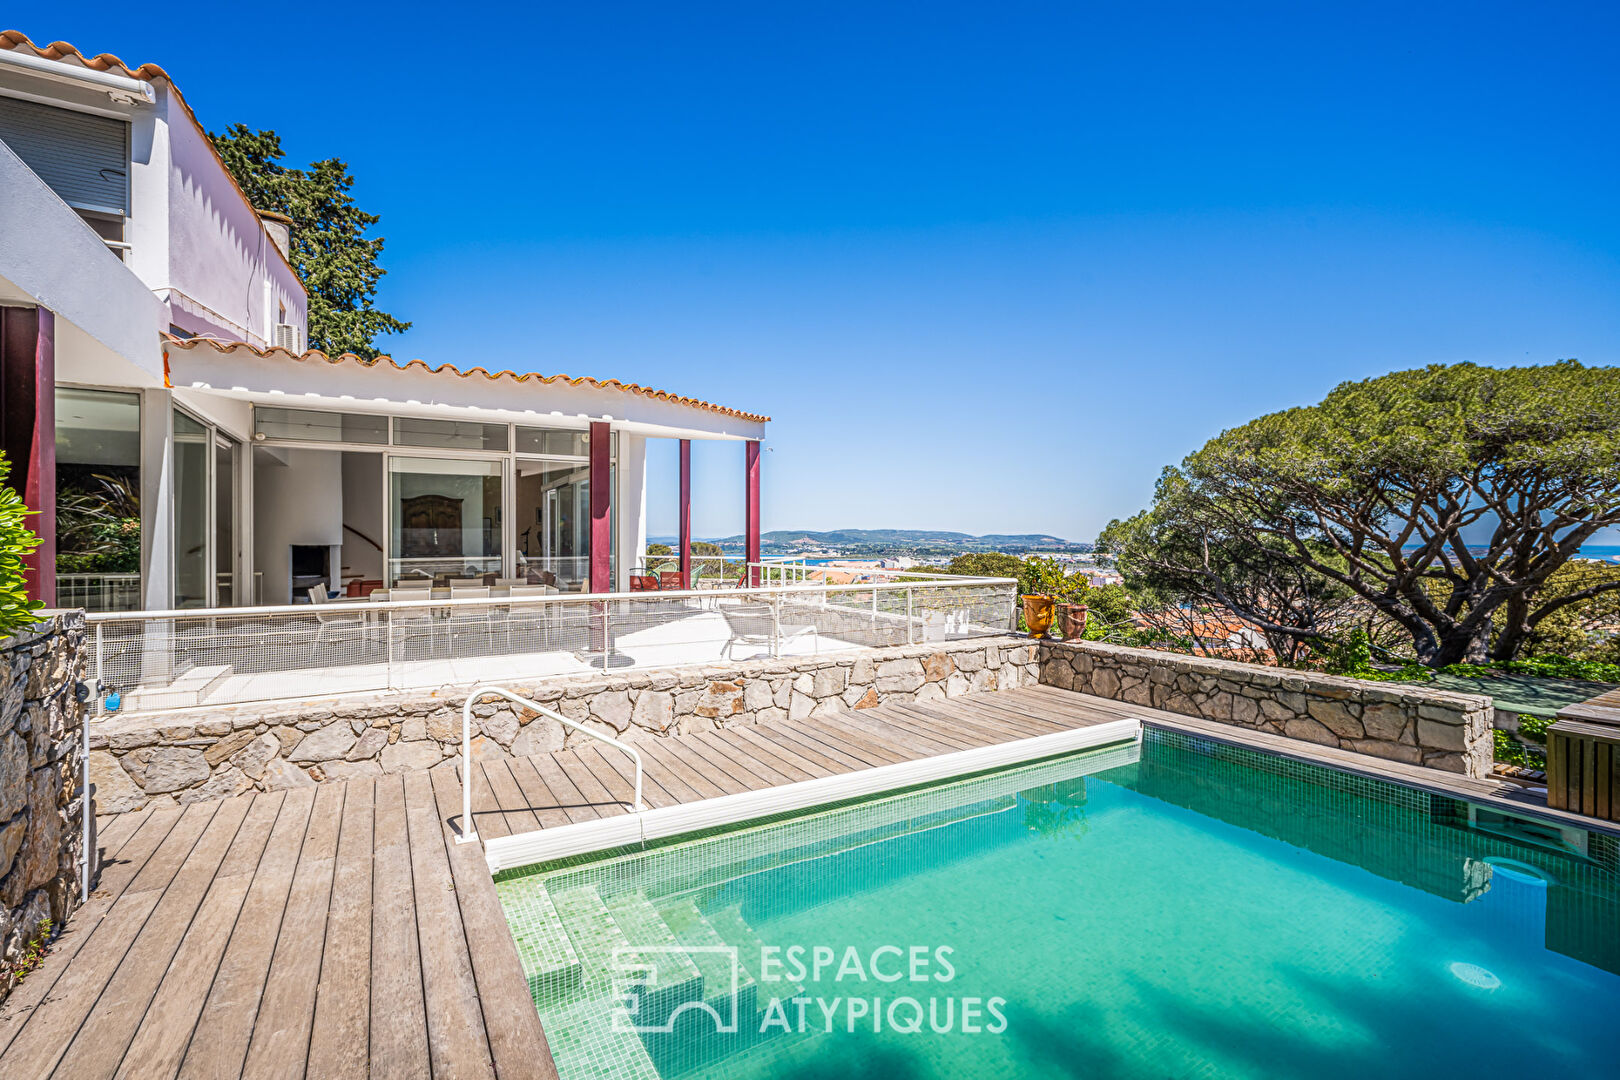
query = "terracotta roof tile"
{"x": 61, "y": 50}
{"x": 228, "y": 347}
{"x": 17, "y": 41}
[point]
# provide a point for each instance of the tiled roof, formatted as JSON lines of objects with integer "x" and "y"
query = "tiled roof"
{"x": 61, "y": 50}
{"x": 227, "y": 347}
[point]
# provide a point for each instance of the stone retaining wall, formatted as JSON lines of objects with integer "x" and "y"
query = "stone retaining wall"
{"x": 1389, "y": 720}
{"x": 41, "y": 830}
{"x": 185, "y": 757}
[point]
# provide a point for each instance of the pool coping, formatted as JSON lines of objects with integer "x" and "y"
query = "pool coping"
{"x": 579, "y": 838}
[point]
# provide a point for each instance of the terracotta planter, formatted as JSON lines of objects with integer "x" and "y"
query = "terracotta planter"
{"x": 1038, "y": 612}
{"x": 1072, "y": 621}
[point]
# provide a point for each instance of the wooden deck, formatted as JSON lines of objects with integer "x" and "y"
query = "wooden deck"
{"x": 338, "y": 931}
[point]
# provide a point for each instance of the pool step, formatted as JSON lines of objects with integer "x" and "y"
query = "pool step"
{"x": 673, "y": 979}
{"x": 549, "y": 961}
{"x": 721, "y": 963}
{"x": 734, "y": 930}
{"x": 585, "y": 1046}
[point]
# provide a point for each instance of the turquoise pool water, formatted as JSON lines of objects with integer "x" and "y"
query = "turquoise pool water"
{"x": 1185, "y": 909}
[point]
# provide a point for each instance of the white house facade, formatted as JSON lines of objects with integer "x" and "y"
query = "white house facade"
{"x": 185, "y": 450}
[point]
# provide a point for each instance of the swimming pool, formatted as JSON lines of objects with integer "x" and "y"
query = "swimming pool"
{"x": 1180, "y": 908}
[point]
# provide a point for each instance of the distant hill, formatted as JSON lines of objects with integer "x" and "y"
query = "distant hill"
{"x": 898, "y": 536}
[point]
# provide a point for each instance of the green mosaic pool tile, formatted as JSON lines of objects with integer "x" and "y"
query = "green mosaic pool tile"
{"x": 549, "y": 961}
{"x": 591, "y": 929}
{"x": 585, "y": 1045}
{"x": 734, "y": 930}
{"x": 717, "y": 967}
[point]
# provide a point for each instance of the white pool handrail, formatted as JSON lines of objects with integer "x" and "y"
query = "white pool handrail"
{"x": 469, "y": 831}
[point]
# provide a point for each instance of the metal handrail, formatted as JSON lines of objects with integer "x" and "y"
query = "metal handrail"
{"x": 469, "y": 832}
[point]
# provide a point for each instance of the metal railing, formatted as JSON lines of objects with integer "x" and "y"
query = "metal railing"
{"x": 469, "y": 831}
{"x": 153, "y": 661}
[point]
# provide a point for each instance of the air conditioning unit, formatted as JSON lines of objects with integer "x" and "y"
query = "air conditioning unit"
{"x": 287, "y": 337}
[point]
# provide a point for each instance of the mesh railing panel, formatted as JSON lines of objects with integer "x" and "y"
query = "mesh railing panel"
{"x": 220, "y": 656}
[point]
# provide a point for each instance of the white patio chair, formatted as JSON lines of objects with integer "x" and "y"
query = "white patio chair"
{"x": 469, "y": 620}
{"x": 330, "y": 624}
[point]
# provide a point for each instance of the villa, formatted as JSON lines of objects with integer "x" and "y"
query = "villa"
{"x": 363, "y": 736}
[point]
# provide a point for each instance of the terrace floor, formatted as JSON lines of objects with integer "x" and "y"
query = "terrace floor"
{"x": 339, "y": 931}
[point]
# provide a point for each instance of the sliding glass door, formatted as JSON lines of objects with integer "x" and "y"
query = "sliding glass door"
{"x": 204, "y": 514}
{"x": 553, "y": 523}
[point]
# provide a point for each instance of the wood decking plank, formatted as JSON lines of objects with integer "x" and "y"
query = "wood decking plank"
{"x": 45, "y": 1033}
{"x": 570, "y": 800}
{"x": 220, "y": 1040}
{"x": 537, "y": 795}
{"x": 837, "y": 731}
{"x": 1010, "y": 708}
{"x": 457, "y": 1043}
{"x": 598, "y": 797}
{"x": 617, "y": 773}
{"x": 920, "y": 743}
{"x": 280, "y": 1043}
{"x": 488, "y": 814}
{"x": 783, "y": 761}
{"x": 874, "y": 751}
{"x": 853, "y": 757}
{"x": 726, "y": 774}
{"x": 904, "y": 725}
{"x": 111, "y": 1024}
{"x": 340, "y": 1032}
{"x": 731, "y": 753}
{"x": 516, "y": 1042}
{"x": 28, "y": 995}
{"x": 161, "y": 1040}
{"x": 699, "y": 766}
{"x": 399, "y": 1030}
{"x": 514, "y": 813}
{"x": 674, "y": 785}
{"x": 802, "y": 757}
{"x": 679, "y": 771}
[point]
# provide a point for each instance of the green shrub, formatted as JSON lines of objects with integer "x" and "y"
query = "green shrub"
{"x": 1546, "y": 667}
{"x": 16, "y": 541}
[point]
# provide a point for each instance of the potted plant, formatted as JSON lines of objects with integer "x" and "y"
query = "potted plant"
{"x": 1072, "y": 621}
{"x": 1038, "y": 612}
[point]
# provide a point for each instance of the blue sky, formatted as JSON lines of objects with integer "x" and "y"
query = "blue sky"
{"x": 988, "y": 267}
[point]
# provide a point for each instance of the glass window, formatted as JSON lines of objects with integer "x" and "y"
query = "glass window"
{"x": 449, "y": 434}
{"x": 553, "y": 443}
{"x": 191, "y": 453}
{"x": 446, "y": 519}
{"x": 313, "y": 425}
{"x": 552, "y": 531}
{"x": 98, "y": 500}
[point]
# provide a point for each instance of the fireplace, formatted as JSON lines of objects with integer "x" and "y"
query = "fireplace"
{"x": 311, "y": 566}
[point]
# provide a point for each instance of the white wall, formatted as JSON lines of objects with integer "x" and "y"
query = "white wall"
{"x": 49, "y": 257}
{"x": 220, "y": 259}
{"x": 298, "y": 499}
{"x": 363, "y": 509}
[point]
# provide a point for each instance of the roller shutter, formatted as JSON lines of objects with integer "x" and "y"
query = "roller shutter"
{"x": 83, "y": 158}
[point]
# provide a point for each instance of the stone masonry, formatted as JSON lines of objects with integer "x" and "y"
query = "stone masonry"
{"x": 184, "y": 757}
{"x": 40, "y": 801}
{"x": 1400, "y": 722}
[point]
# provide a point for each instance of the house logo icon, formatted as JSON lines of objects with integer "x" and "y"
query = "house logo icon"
{"x": 645, "y": 1000}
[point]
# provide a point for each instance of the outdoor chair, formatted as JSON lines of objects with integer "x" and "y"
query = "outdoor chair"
{"x": 469, "y": 620}
{"x": 331, "y": 626}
